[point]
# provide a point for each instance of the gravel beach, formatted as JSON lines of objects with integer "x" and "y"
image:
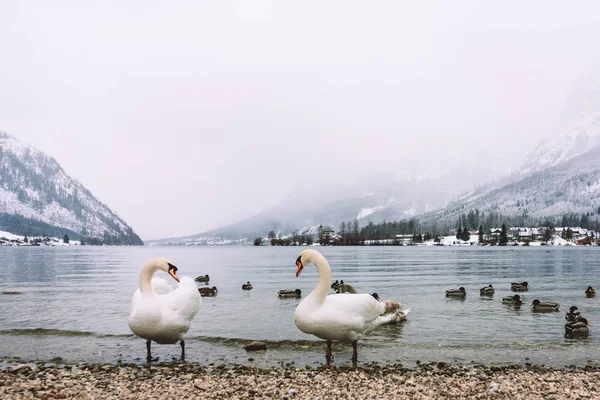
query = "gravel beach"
{"x": 19, "y": 380}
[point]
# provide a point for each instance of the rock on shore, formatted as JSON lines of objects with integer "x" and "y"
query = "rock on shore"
{"x": 433, "y": 380}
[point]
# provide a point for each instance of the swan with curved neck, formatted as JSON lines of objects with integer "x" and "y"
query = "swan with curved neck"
{"x": 340, "y": 317}
{"x": 159, "y": 313}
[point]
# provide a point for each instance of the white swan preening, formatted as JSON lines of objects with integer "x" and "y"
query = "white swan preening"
{"x": 159, "y": 313}
{"x": 342, "y": 317}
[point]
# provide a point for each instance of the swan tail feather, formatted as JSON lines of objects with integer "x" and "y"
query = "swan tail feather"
{"x": 385, "y": 319}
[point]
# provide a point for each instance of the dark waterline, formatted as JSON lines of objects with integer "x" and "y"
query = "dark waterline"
{"x": 75, "y": 304}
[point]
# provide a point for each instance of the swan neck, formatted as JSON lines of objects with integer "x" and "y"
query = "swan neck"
{"x": 146, "y": 278}
{"x": 322, "y": 289}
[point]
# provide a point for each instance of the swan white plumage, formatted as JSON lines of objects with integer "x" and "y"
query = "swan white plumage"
{"x": 159, "y": 313}
{"x": 341, "y": 317}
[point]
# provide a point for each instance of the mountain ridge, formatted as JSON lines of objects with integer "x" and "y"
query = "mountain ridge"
{"x": 34, "y": 186}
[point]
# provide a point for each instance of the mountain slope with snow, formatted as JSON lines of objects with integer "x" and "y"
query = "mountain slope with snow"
{"x": 570, "y": 187}
{"x": 36, "y": 191}
{"x": 578, "y": 130}
{"x": 369, "y": 200}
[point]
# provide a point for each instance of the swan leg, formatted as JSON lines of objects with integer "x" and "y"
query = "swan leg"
{"x": 328, "y": 353}
{"x": 182, "y": 343}
{"x": 148, "y": 353}
{"x": 354, "y": 354}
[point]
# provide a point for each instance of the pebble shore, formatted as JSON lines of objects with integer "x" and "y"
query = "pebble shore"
{"x": 44, "y": 380}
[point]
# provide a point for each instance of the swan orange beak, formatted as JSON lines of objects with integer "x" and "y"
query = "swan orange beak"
{"x": 173, "y": 273}
{"x": 300, "y": 267}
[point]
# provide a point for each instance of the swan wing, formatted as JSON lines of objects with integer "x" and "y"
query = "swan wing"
{"x": 161, "y": 286}
{"x": 358, "y": 305}
{"x": 185, "y": 301}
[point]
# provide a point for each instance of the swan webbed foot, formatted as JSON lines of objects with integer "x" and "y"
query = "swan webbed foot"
{"x": 328, "y": 355}
{"x": 354, "y": 354}
{"x": 182, "y": 343}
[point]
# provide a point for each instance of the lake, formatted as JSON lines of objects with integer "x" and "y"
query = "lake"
{"x": 76, "y": 301}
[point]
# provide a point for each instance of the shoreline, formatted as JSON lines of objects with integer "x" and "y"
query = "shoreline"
{"x": 42, "y": 379}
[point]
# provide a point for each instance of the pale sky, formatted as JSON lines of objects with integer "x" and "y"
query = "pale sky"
{"x": 184, "y": 116}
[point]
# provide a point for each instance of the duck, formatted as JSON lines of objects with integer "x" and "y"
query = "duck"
{"x": 391, "y": 306}
{"x": 208, "y": 291}
{"x": 487, "y": 291}
{"x": 542, "y": 306}
{"x": 460, "y": 292}
{"x": 516, "y": 300}
{"x": 160, "y": 314}
{"x": 577, "y": 328}
{"x": 202, "y": 278}
{"x": 590, "y": 291}
{"x": 340, "y": 317}
{"x": 247, "y": 286}
{"x": 573, "y": 314}
{"x": 289, "y": 293}
{"x": 519, "y": 286}
{"x": 346, "y": 288}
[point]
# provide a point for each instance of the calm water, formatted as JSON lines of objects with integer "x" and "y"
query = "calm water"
{"x": 75, "y": 304}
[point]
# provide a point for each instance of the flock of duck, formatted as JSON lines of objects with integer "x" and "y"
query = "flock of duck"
{"x": 163, "y": 315}
{"x": 576, "y": 325}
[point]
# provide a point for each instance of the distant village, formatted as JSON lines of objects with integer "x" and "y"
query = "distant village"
{"x": 502, "y": 236}
{"x": 515, "y": 236}
{"x": 9, "y": 239}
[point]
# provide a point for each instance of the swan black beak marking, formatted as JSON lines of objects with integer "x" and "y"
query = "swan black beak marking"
{"x": 299, "y": 265}
{"x": 173, "y": 272}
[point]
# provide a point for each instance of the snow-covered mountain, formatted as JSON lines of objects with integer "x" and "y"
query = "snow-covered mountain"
{"x": 569, "y": 187}
{"x": 37, "y": 196}
{"x": 374, "y": 199}
{"x": 578, "y": 130}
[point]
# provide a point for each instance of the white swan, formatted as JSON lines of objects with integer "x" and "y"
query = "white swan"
{"x": 159, "y": 313}
{"x": 341, "y": 317}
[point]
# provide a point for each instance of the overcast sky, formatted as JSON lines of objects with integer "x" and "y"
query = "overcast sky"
{"x": 184, "y": 116}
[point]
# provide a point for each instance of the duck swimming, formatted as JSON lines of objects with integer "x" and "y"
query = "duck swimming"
{"x": 577, "y": 328}
{"x": 159, "y": 313}
{"x": 516, "y": 300}
{"x": 519, "y": 286}
{"x": 487, "y": 291}
{"x": 346, "y": 288}
{"x": 590, "y": 291}
{"x": 460, "y": 292}
{"x": 208, "y": 291}
{"x": 544, "y": 306}
{"x": 289, "y": 294}
{"x": 247, "y": 286}
{"x": 202, "y": 278}
{"x": 572, "y": 314}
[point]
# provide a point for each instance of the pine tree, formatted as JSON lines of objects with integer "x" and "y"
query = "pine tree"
{"x": 459, "y": 233}
{"x": 466, "y": 235}
{"x": 547, "y": 235}
{"x": 480, "y": 233}
{"x": 503, "y": 236}
{"x": 569, "y": 234}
